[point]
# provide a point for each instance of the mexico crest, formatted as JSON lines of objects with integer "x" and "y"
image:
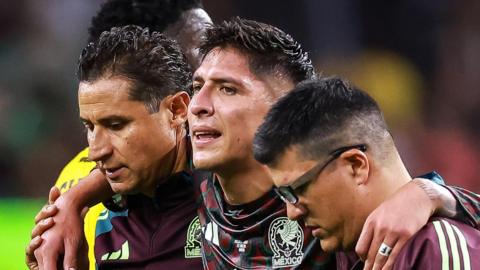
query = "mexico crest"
{"x": 286, "y": 239}
{"x": 192, "y": 245}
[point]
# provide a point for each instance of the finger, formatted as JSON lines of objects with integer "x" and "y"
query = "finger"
{"x": 393, "y": 256}
{"x": 375, "y": 243}
{"x": 41, "y": 227}
{"x": 50, "y": 260}
{"x": 47, "y": 211}
{"x": 39, "y": 258}
{"x": 364, "y": 241}
{"x": 29, "y": 253}
{"x": 381, "y": 259}
{"x": 84, "y": 212}
{"x": 82, "y": 258}
{"x": 53, "y": 195}
{"x": 70, "y": 258}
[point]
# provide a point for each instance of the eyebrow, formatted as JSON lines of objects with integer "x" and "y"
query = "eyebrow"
{"x": 218, "y": 80}
{"x": 108, "y": 118}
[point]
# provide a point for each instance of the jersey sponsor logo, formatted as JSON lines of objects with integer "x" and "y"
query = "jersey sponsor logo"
{"x": 122, "y": 254}
{"x": 286, "y": 239}
{"x": 192, "y": 245}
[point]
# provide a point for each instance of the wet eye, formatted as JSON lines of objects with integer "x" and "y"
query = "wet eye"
{"x": 228, "y": 90}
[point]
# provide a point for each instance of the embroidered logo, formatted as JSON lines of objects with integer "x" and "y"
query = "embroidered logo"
{"x": 286, "y": 239}
{"x": 122, "y": 254}
{"x": 241, "y": 245}
{"x": 192, "y": 245}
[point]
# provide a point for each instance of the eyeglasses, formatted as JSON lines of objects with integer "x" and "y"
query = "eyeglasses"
{"x": 287, "y": 192}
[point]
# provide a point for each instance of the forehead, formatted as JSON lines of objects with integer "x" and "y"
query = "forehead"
{"x": 107, "y": 96}
{"x": 289, "y": 166}
{"x": 232, "y": 65}
{"x": 225, "y": 62}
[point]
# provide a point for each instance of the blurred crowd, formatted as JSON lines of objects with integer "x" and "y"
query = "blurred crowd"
{"x": 418, "y": 58}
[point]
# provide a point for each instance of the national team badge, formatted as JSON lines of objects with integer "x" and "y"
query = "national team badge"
{"x": 286, "y": 239}
{"x": 192, "y": 246}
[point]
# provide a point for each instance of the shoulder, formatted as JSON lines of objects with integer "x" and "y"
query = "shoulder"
{"x": 76, "y": 169}
{"x": 441, "y": 243}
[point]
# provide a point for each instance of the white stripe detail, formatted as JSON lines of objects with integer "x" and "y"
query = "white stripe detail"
{"x": 211, "y": 233}
{"x": 443, "y": 245}
{"x": 463, "y": 247}
{"x": 103, "y": 215}
{"x": 453, "y": 245}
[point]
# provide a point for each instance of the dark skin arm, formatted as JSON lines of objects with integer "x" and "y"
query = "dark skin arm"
{"x": 61, "y": 228}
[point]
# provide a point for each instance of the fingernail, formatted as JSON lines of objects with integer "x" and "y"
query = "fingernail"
{"x": 46, "y": 221}
{"x": 36, "y": 238}
{"x": 48, "y": 207}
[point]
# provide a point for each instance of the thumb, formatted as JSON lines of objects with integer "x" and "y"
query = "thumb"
{"x": 53, "y": 195}
{"x": 84, "y": 212}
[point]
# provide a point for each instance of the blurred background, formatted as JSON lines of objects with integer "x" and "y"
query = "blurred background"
{"x": 419, "y": 58}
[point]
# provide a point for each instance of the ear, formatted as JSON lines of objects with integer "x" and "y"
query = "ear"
{"x": 178, "y": 107}
{"x": 358, "y": 165}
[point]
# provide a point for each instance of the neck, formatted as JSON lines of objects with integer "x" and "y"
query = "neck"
{"x": 181, "y": 158}
{"x": 245, "y": 184}
{"x": 383, "y": 182}
{"x": 390, "y": 179}
{"x": 175, "y": 163}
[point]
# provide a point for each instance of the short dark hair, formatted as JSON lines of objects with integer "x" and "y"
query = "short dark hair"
{"x": 269, "y": 49}
{"x": 319, "y": 116}
{"x": 154, "y": 14}
{"x": 152, "y": 62}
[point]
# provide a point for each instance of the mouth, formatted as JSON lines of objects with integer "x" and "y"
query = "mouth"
{"x": 112, "y": 173}
{"x": 317, "y": 231}
{"x": 204, "y": 135}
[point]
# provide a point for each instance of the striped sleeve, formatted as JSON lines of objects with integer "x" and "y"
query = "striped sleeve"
{"x": 469, "y": 205}
{"x": 442, "y": 244}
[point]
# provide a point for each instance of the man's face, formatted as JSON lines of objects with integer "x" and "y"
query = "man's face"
{"x": 128, "y": 142}
{"x": 228, "y": 106}
{"x": 326, "y": 203}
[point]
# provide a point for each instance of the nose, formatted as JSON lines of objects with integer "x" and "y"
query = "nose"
{"x": 295, "y": 212}
{"x": 100, "y": 147}
{"x": 201, "y": 104}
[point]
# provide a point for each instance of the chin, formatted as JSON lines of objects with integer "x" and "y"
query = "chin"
{"x": 330, "y": 245}
{"x": 203, "y": 162}
{"x": 121, "y": 188}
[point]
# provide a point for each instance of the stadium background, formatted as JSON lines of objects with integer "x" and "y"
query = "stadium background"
{"x": 419, "y": 58}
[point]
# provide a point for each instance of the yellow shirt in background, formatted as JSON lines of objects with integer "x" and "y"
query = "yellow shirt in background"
{"x": 75, "y": 170}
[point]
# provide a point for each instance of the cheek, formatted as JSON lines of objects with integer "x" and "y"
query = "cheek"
{"x": 243, "y": 123}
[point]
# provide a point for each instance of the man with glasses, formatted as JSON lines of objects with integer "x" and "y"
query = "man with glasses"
{"x": 333, "y": 161}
